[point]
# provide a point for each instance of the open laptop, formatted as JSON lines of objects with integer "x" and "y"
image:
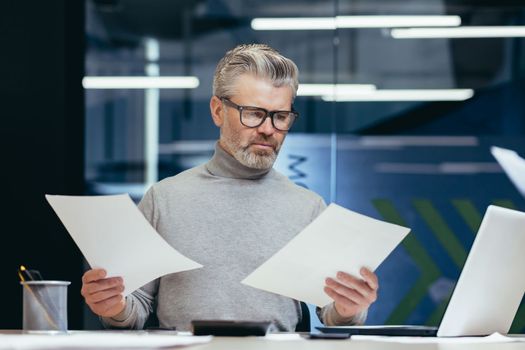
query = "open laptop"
{"x": 490, "y": 287}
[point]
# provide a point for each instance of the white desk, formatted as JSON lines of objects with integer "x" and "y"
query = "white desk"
{"x": 253, "y": 343}
{"x": 262, "y": 343}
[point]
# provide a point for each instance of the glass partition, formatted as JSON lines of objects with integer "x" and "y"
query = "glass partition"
{"x": 400, "y": 102}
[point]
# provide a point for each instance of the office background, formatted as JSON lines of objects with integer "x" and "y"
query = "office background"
{"x": 400, "y": 129}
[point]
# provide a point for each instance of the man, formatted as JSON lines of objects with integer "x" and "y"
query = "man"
{"x": 232, "y": 214}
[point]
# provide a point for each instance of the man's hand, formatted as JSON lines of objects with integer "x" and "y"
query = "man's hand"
{"x": 103, "y": 295}
{"x": 352, "y": 295}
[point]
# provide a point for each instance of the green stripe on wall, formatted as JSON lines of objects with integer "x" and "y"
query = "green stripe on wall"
{"x": 505, "y": 203}
{"x": 469, "y": 213}
{"x": 429, "y": 270}
{"x": 435, "y": 317}
{"x": 441, "y": 231}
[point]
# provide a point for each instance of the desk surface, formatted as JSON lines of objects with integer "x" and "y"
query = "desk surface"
{"x": 262, "y": 343}
{"x": 251, "y": 343}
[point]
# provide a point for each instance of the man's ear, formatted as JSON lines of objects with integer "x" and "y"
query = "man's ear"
{"x": 217, "y": 111}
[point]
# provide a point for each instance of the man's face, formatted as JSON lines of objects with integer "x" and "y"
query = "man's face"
{"x": 253, "y": 147}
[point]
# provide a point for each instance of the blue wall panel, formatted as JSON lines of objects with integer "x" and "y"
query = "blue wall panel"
{"x": 438, "y": 186}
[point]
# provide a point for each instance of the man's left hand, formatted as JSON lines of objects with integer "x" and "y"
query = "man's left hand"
{"x": 352, "y": 295}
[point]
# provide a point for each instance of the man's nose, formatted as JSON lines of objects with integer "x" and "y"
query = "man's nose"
{"x": 266, "y": 127}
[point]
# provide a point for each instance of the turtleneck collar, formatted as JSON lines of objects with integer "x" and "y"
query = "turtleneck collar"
{"x": 224, "y": 165}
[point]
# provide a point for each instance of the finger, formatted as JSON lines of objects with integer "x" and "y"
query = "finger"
{"x": 354, "y": 283}
{"x": 107, "y": 304}
{"x": 106, "y": 294}
{"x": 339, "y": 299}
{"x": 98, "y": 286}
{"x": 370, "y": 278}
{"x": 348, "y": 293}
{"x": 93, "y": 275}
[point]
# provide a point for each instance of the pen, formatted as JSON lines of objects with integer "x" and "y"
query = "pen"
{"x": 26, "y": 275}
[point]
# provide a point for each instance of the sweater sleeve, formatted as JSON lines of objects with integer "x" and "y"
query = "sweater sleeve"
{"x": 139, "y": 304}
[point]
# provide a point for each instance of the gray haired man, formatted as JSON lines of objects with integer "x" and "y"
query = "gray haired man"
{"x": 232, "y": 214}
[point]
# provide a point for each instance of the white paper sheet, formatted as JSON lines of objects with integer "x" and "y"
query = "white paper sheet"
{"x": 493, "y": 338}
{"x": 337, "y": 240}
{"x": 102, "y": 340}
{"x": 513, "y": 165}
{"x": 113, "y": 234}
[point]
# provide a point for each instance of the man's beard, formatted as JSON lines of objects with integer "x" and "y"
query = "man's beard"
{"x": 253, "y": 159}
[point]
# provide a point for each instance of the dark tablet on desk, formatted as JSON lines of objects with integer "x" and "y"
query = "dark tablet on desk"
{"x": 407, "y": 331}
{"x": 230, "y": 328}
{"x": 324, "y": 336}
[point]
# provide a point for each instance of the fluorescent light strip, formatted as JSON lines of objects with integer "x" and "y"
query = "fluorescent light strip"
{"x": 331, "y": 23}
{"x": 460, "y": 32}
{"x": 396, "y": 21}
{"x": 126, "y": 82}
{"x": 294, "y": 23}
{"x": 327, "y": 89}
{"x": 404, "y": 95}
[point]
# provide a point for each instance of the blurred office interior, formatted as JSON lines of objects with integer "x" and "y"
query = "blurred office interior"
{"x": 399, "y": 102}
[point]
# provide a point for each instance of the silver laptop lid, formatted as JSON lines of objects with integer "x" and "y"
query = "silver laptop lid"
{"x": 491, "y": 284}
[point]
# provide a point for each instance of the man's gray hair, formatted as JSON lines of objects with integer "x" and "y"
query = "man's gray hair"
{"x": 261, "y": 61}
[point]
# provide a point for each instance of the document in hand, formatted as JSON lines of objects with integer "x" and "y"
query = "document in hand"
{"x": 114, "y": 235}
{"x": 337, "y": 240}
{"x": 513, "y": 165}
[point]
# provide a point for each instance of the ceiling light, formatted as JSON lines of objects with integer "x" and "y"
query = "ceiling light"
{"x": 327, "y": 89}
{"x": 127, "y": 82}
{"x": 331, "y": 23}
{"x": 459, "y": 32}
{"x": 396, "y": 21}
{"x": 294, "y": 23}
{"x": 404, "y": 95}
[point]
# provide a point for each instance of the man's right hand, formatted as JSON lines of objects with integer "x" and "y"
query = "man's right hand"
{"x": 103, "y": 295}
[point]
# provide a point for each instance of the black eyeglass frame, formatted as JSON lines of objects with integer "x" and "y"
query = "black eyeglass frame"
{"x": 269, "y": 114}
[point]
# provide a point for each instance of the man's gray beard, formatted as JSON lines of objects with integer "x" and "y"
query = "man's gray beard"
{"x": 253, "y": 160}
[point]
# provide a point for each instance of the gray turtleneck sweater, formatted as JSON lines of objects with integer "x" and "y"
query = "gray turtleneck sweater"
{"x": 231, "y": 219}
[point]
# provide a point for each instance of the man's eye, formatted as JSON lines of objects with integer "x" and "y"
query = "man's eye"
{"x": 281, "y": 116}
{"x": 254, "y": 114}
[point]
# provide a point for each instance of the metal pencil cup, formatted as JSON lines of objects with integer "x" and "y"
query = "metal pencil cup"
{"x": 45, "y": 305}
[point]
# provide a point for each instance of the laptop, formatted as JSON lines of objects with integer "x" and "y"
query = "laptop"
{"x": 490, "y": 287}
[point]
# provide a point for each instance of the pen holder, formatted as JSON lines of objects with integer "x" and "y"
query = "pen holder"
{"x": 45, "y": 305}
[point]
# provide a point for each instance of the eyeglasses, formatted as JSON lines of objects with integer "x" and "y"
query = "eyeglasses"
{"x": 253, "y": 117}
